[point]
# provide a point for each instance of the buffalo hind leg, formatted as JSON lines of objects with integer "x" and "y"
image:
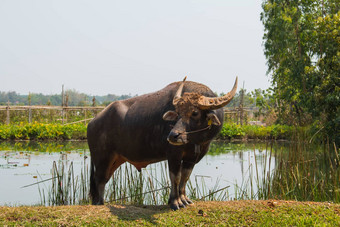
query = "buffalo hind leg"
{"x": 186, "y": 170}
{"x": 100, "y": 175}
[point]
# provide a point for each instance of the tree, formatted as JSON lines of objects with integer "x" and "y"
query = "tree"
{"x": 302, "y": 47}
{"x": 264, "y": 100}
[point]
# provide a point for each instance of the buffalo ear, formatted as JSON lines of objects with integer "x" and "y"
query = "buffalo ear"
{"x": 213, "y": 119}
{"x": 170, "y": 116}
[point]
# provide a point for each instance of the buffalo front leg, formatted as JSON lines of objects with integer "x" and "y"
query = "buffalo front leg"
{"x": 175, "y": 177}
{"x": 186, "y": 170}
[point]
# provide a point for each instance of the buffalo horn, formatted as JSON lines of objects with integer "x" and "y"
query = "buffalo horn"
{"x": 178, "y": 94}
{"x": 206, "y": 103}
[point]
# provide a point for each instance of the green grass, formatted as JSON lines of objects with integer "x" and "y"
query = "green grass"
{"x": 231, "y": 213}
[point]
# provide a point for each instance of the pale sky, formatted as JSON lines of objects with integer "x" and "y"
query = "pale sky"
{"x": 129, "y": 46}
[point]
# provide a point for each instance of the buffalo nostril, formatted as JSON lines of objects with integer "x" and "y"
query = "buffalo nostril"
{"x": 173, "y": 135}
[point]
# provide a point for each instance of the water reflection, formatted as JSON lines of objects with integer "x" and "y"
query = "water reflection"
{"x": 24, "y": 163}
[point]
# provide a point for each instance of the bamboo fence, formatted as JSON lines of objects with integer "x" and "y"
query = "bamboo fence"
{"x": 61, "y": 114}
{"x": 58, "y": 113}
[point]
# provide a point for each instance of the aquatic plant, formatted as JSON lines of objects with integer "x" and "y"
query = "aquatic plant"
{"x": 304, "y": 172}
{"x": 127, "y": 186}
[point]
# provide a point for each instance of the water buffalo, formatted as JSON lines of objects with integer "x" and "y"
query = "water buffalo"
{"x": 176, "y": 124}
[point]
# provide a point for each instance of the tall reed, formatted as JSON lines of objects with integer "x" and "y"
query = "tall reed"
{"x": 66, "y": 188}
{"x": 127, "y": 186}
{"x": 303, "y": 172}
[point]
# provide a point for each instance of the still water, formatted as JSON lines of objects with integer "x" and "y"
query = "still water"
{"x": 26, "y": 163}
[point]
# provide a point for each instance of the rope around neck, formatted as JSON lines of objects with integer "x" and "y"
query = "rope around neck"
{"x": 199, "y": 130}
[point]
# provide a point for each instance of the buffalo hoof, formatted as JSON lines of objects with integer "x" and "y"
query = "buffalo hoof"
{"x": 174, "y": 207}
{"x": 190, "y": 202}
{"x": 98, "y": 202}
{"x": 181, "y": 205}
{"x": 176, "y": 204}
{"x": 186, "y": 201}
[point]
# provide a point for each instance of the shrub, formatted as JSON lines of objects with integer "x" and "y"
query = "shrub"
{"x": 39, "y": 131}
{"x": 234, "y": 131}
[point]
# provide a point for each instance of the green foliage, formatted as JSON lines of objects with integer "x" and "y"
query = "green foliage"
{"x": 39, "y": 131}
{"x": 248, "y": 99}
{"x": 264, "y": 100}
{"x": 234, "y": 131}
{"x": 302, "y": 47}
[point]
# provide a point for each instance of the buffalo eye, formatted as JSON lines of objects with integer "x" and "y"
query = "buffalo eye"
{"x": 195, "y": 114}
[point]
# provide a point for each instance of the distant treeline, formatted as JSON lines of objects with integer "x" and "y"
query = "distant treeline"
{"x": 258, "y": 97}
{"x": 71, "y": 97}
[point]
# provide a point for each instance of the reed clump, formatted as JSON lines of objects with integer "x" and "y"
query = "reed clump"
{"x": 303, "y": 172}
{"x": 66, "y": 187}
{"x": 306, "y": 175}
{"x": 127, "y": 186}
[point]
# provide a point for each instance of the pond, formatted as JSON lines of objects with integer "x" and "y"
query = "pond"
{"x": 235, "y": 170}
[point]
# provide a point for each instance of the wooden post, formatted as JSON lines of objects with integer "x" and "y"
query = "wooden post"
{"x": 66, "y": 105}
{"x": 94, "y": 101}
{"x": 7, "y": 117}
{"x": 85, "y": 116}
{"x": 62, "y": 105}
{"x": 29, "y": 109}
{"x": 241, "y": 105}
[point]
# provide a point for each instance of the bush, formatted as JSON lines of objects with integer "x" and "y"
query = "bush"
{"x": 39, "y": 131}
{"x": 234, "y": 131}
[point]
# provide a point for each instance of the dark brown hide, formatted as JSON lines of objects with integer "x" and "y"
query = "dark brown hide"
{"x": 134, "y": 131}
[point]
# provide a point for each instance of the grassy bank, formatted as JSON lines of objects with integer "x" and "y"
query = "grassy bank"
{"x": 40, "y": 131}
{"x": 232, "y": 213}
